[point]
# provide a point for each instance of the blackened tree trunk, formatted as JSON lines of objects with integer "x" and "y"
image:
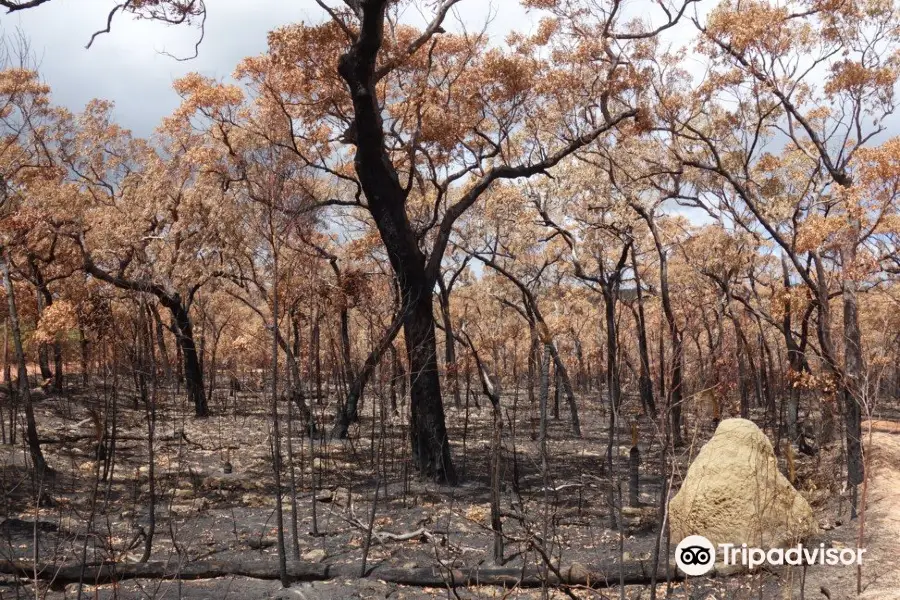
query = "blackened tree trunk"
{"x": 44, "y": 301}
{"x": 449, "y": 343}
{"x": 182, "y": 327}
{"x": 276, "y": 426}
{"x": 184, "y": 334}
{"x": 85, "y": 359}
{"x": 645, "y": 382}
{"x": 826, "y": 344}
{"x": 532, "y": 313}
{"x": 316, "y": 342}
{"x": 580, "y": 376}
{"x": 43, "y": 347}
{"x": 491, "y": 389}
{"x": 431, "y": 449}
{"x": 533, "y": 362}
{"x": 346, "y": 355}
{"x": 161, "y": 343}
{"x": 295, "y": 387}
{"x": 741, "y": 350}
{"x": 7, "y": 376}
{"x": 566, "y": 388}
{"x": 854, "y": 385}
{"x": 34, "y": 445}
{"x": 796, "y": 357}
{"x": 213, "y": 365}
{"x": 386, "y": 197}
{"x": 676, "y": 392}
{"x": 766, "y": 373}
{"x": 556, "y": 390}
{"x": 613, "y": 382}
{"x": 57, "y": 367}
{"x": 349, "y": 412}
{"x": 387, "y": 204}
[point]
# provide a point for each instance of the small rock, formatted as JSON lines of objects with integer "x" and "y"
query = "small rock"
{"x": 133, "y": 557}
{"x": 579, "y": 572}
{"x": 256, "y": 500}
{"x": 638, "y": 512}
{"x": 315, "y": 556}
{"x": 258, "y": 543}
{"x": 128, "y": 514}
{"x": 184, "y": 493}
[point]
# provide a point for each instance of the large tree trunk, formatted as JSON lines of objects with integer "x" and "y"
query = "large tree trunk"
{"x": 34, "y": 445}
{"x": 387, "y": 204}
{"x": 193, "y": 373}
{"x": 431, "y": 448}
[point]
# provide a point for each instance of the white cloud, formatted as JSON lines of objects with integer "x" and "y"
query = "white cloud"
{"x": 127, "y": 65}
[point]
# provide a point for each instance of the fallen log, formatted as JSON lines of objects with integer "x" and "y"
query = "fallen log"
{"x": 636, "y": 572}
{"x": 61, "y": 575}
{"x": 881, "y": 426}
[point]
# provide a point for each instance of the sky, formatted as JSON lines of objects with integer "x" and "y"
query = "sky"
{"x": 129, "y": 67}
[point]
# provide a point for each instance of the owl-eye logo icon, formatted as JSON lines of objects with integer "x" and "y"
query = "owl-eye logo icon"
{"x": 695, "y": 555}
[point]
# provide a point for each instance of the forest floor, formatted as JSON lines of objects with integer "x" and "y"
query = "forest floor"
{"x": 204, "y": 513}
{"x": 879, "y": 577}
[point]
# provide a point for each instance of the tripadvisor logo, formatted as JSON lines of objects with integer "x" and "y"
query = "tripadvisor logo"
{"x": 696, "y": 555}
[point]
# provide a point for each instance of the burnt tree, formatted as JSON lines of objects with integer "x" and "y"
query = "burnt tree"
{"x": 182, "y": 326}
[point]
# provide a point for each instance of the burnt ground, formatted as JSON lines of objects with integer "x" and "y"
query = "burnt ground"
{"x": 204, "y": 513}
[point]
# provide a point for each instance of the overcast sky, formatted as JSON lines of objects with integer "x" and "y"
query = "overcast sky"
{"x": 127, "y": 65}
